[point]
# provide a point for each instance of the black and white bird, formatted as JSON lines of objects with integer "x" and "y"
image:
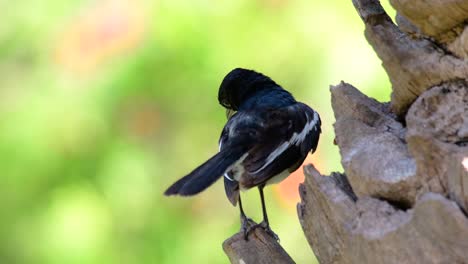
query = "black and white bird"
{"x": 267, "y": 136}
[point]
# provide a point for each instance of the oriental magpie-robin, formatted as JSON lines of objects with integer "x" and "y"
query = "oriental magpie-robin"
{"x": 267, "y": 136}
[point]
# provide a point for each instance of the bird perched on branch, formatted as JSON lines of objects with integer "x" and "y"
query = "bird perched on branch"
{"x": 267, "y": 136}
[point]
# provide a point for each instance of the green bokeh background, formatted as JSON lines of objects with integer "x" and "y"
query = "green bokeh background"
{"x": 103, "y": 104}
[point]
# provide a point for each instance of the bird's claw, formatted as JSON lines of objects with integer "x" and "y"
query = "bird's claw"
{"x": 248, "y": 227}
{"x": 268, "y": 230}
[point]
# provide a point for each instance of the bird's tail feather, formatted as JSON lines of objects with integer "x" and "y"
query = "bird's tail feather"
{"x": 206, "y": 174}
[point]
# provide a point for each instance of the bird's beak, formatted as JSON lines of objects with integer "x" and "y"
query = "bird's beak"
{"x": 229, "y": 113}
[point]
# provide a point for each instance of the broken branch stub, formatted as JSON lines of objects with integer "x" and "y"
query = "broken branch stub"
{"x": 372, "y": 146}
{"x": 260, "y": 248}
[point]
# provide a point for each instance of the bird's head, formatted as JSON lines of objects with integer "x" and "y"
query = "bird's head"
{"x": 240, "y": 85}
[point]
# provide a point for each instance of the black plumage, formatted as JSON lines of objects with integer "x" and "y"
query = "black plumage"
{"x": 268, "y": 136}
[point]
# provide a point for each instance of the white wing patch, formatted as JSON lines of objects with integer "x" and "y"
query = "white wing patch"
{"x": 296, "y": 139}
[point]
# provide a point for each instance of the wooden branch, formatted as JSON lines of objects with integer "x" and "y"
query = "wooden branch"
{"x": 413, "y": 65}
{"x": 368, "y": 230}
{"x": 260, "y": 248}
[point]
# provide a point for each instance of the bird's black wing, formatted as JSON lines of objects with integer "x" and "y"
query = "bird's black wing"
{"x": 284, "y": 140}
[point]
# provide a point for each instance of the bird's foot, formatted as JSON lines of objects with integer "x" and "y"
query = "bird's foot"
{"x": 268, "y": 230}
{"x": 265, "y": 226}
{"x": 246, "y": 225}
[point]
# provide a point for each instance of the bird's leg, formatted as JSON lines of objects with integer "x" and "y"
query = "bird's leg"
{"x": 265, "y": 224}
{"x": 262, "y": 198}
{"x": 246, "y": 222}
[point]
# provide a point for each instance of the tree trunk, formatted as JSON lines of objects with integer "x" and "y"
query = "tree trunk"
{"x": 403, "y": 196}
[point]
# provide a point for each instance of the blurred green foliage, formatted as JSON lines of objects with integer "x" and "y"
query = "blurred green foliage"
{"x": 103, "y": 104}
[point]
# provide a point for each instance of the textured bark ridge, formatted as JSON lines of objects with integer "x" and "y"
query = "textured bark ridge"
{"x": 372, "y": 147}
{"x": 403, "y": 196}
{"x": 438, "y": 140}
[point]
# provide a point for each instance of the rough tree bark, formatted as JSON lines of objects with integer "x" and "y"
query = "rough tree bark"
{"x": 403, "y": 196}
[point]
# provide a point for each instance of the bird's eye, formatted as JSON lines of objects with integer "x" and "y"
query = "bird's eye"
{"x": 229, "y": 113}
